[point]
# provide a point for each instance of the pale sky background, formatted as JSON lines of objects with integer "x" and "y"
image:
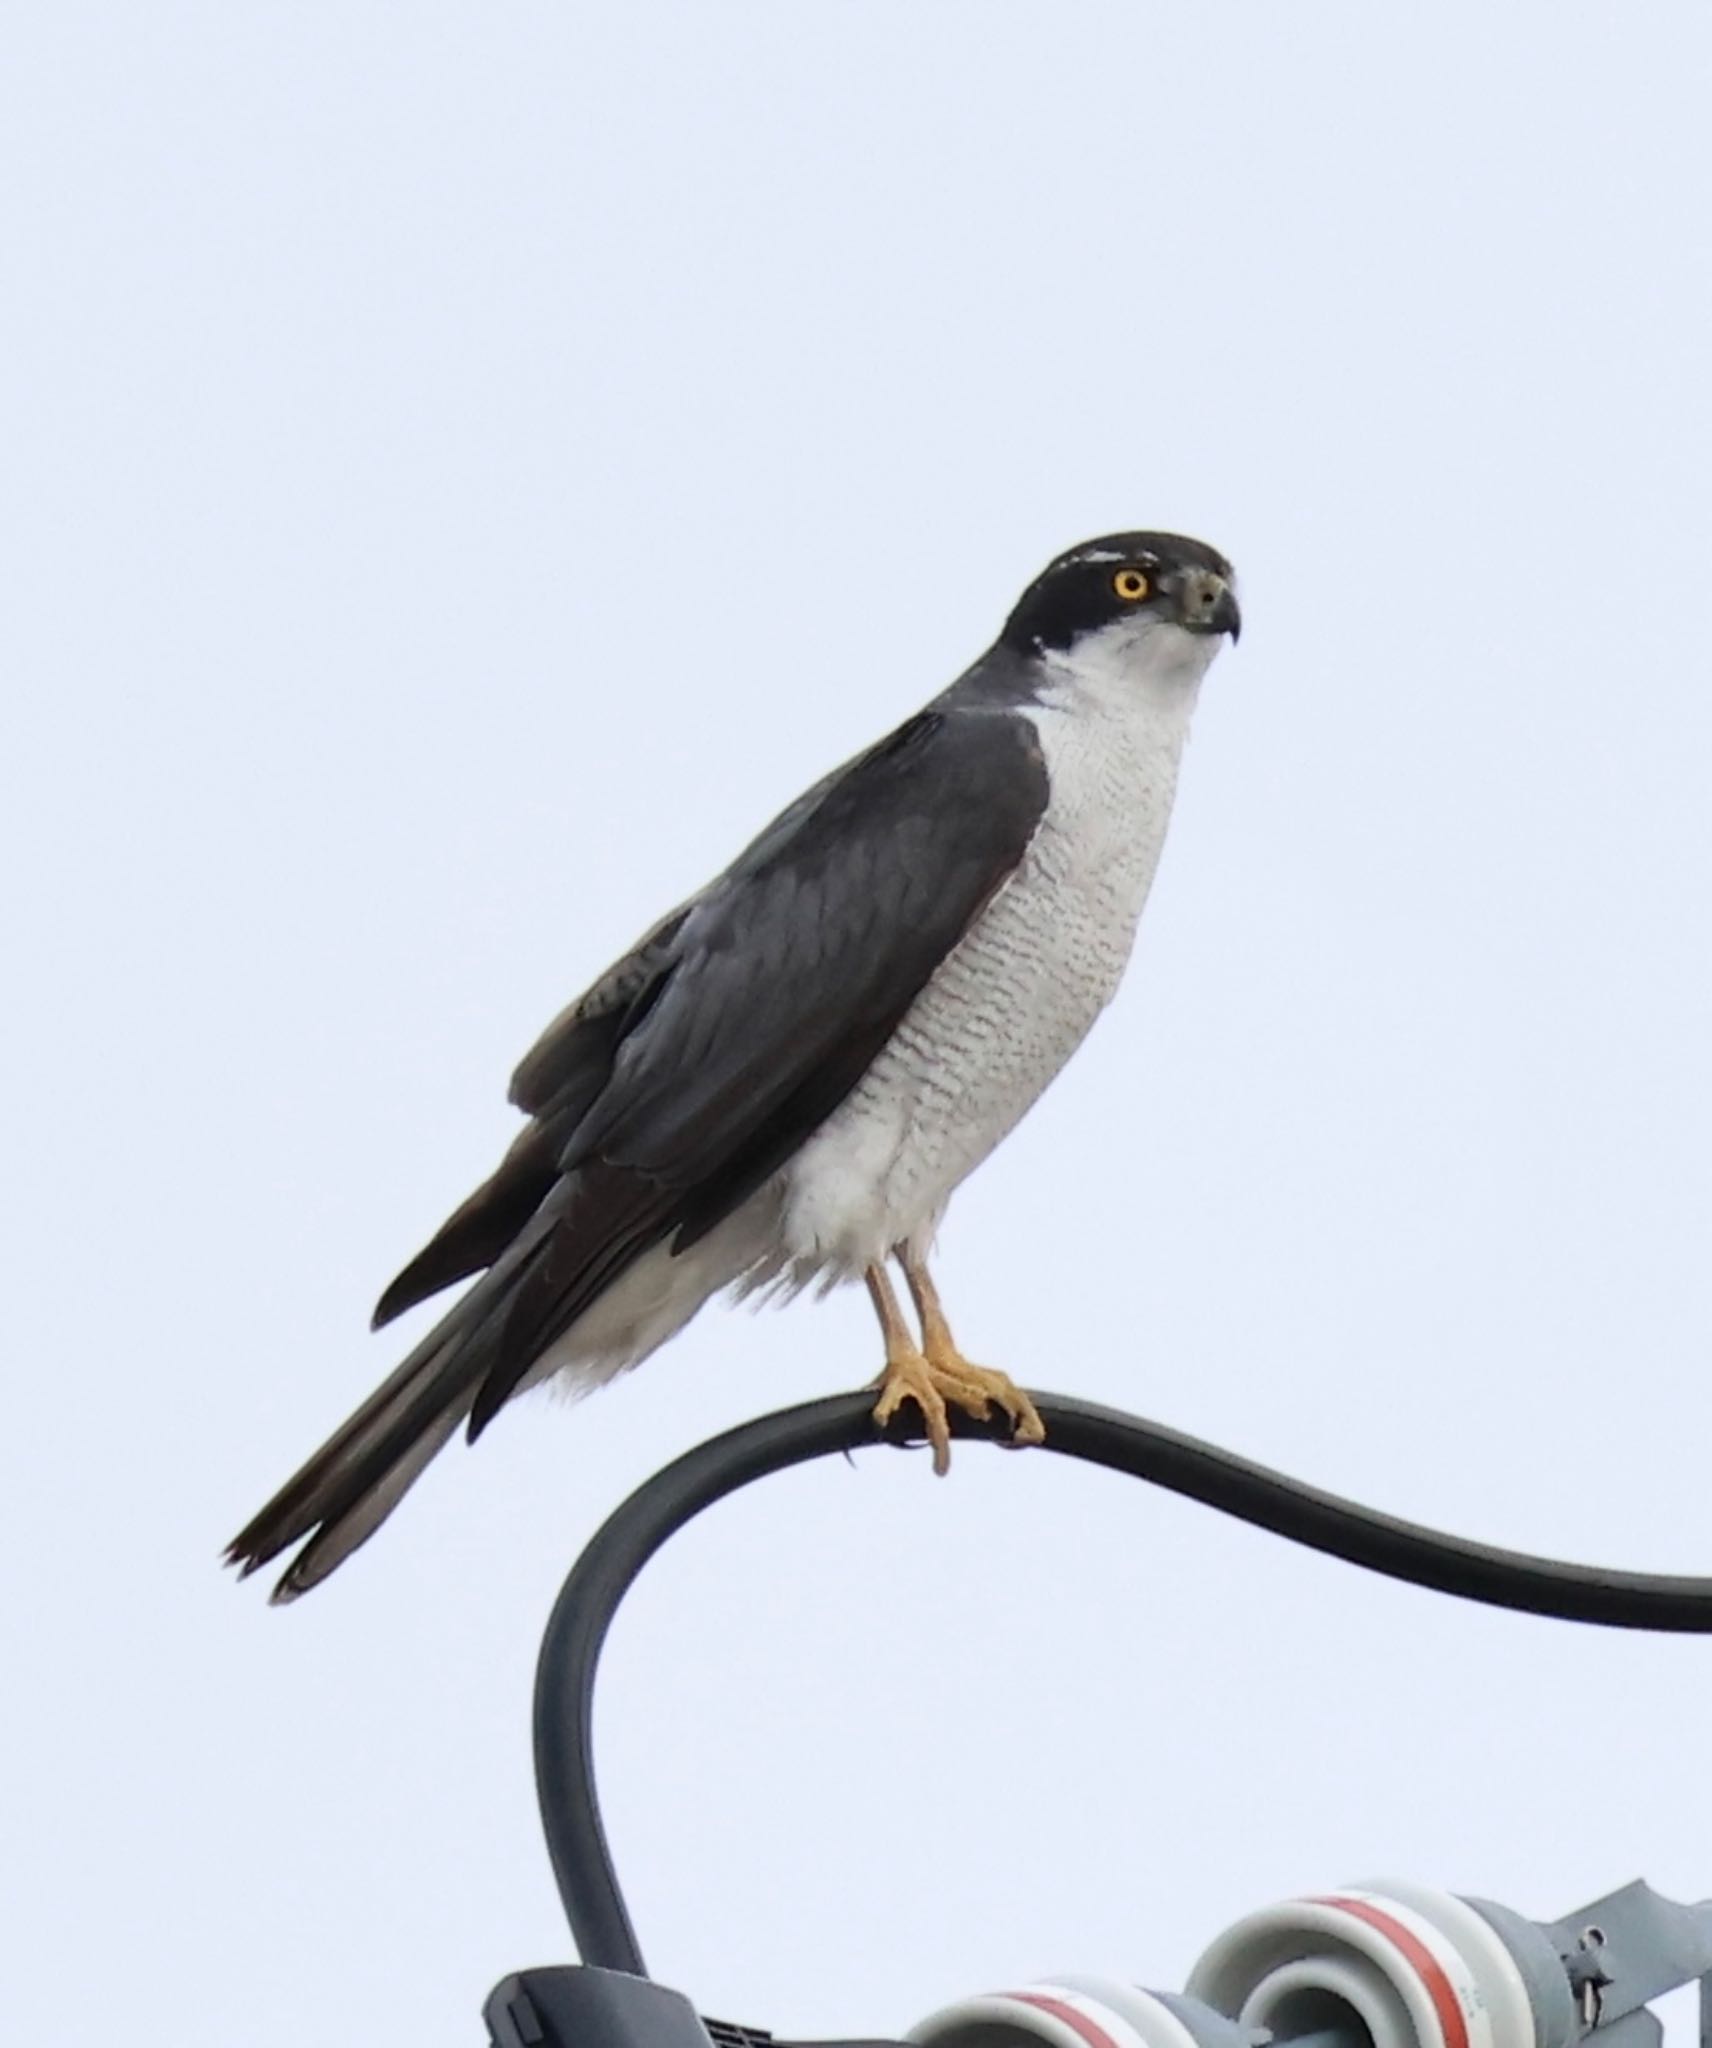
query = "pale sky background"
{"x": 465, "y": 467}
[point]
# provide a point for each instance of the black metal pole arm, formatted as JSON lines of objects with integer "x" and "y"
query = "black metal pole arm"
{"x": 570, "y": 1650}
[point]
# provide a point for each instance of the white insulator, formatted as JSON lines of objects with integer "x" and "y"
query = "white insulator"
{"x": 1418, "y": 1968}
{"x": 1069, "y": 2012}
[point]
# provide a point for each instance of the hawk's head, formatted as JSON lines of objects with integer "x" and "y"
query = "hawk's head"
{"x": 1159, "y": 577}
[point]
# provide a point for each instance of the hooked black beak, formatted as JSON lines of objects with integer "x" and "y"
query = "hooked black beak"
{"x": 1208, "y": 604}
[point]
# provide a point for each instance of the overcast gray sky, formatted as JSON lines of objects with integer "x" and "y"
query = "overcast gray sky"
{"x": 464, "y": 468}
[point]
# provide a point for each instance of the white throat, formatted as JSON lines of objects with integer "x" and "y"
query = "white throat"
{"x": 1112, "y": 716}
{"x": 1144, "y": 672}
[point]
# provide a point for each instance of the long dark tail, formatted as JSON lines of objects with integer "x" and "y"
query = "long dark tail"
{"x": 361, "y": 1473}
{"x": 591, "y": 1226}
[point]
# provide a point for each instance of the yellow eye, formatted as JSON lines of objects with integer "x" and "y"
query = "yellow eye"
{"x": 1131, "y": 585}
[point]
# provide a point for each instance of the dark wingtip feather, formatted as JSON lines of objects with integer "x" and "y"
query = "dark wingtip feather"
{"x": 397, "y": 1298}
{"x": 486, "y": 1409}
{"x": 491, "y": 1396}
{"x": 440, "y": 1264}
{"x": 479, "y": 1230}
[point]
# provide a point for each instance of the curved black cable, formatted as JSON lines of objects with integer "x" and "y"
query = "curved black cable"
{"x": 570, "y": 1650}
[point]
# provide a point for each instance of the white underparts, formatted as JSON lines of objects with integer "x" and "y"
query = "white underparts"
{"x": 1015, "y": 999}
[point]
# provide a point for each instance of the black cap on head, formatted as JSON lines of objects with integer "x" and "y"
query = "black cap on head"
{"x": 1163, "y": 575}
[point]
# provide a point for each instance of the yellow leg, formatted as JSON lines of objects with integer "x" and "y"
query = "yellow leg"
{"x": 908, "y": 1376}
{"x": 969, "y": 1386}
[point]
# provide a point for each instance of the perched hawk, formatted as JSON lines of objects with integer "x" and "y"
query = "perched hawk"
{"x": 783, "y": 1082}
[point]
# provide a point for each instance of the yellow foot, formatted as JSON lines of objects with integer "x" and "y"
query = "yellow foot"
{"x": 909, "y": 1377}
{"x": 947, "y": 1380}
{"x": 998, "y": 1388}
